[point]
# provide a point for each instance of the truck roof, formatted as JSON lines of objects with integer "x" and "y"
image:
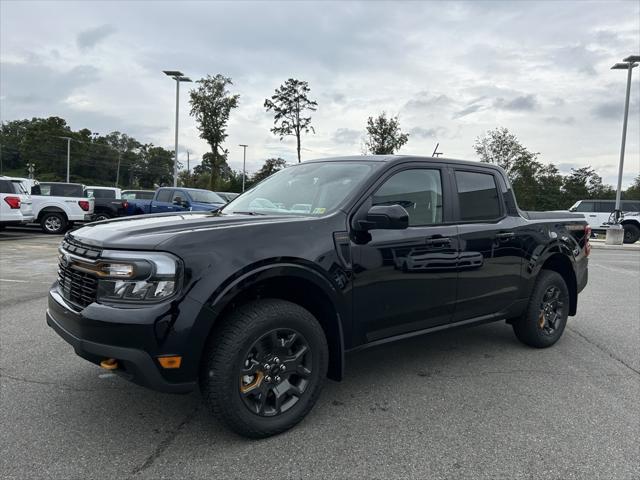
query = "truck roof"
{"x": 401, "y": 159}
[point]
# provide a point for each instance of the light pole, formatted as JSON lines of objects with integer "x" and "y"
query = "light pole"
{"x": 178, "y": 77}
{"x": 68, "y": 139}
{"x": 244, "y": 163}
{"x": 615, "y": 233}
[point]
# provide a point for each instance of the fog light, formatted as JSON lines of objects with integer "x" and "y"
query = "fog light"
{"x": 172, "y": 361}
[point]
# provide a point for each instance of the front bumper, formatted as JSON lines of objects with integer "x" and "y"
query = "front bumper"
{"x": 134, "y": 345}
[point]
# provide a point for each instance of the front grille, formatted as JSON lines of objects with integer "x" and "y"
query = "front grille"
{"x": 78, "y": 287}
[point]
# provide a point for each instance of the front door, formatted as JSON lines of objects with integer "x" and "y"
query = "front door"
{"x": 405, "y": 280}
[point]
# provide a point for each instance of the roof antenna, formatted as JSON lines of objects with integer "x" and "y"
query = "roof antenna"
{"x": 436, "y": 153}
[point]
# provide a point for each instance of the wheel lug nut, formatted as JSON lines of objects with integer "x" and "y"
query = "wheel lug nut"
{"x": 278, "y": 378}
{"x": 283, "y": 368}
{"x": 267, "y": 379}
{"x": 267, "y": 367}
{"x": 277, "y": 360}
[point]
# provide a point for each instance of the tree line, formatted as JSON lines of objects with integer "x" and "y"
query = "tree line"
{"x": 117, "y": 158}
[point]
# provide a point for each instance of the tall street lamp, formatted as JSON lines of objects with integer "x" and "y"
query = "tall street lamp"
{"x": 244, "y": 163}
{"x": 68, "y": 139}
{"x": 178, "y": 77}
{"x": 617, "y": 232}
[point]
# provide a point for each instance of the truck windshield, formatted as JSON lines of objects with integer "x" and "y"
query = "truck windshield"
{"x": 204, "y": 196}
{"x": 312, "y": 189}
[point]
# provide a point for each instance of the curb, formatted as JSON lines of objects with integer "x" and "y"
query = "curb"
{"x": 600, "y": 245}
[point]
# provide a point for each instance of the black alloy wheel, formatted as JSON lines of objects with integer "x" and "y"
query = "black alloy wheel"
{"x": 275, "y": 372}
{"x": 551, "y": 310}
{"x": 264, "y": 366}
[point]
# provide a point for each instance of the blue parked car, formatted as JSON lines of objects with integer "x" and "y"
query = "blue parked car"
{"x": 169, "y": 199}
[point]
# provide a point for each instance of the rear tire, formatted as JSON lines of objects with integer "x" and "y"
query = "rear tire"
{"x": 545, "y": 319}
{"x": 99, "y": 217}
{"x": 53, "y": 223}
{"x": 243, "y": 378}
{"x": 631, "y": 233}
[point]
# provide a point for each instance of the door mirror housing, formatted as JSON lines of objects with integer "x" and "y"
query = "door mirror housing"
{"x": 385, "y": 217}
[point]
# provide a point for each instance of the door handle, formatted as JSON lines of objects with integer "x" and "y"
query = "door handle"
{"x": 592, "y": 215}
{"x": 439, "y": 241}
{"x": 505, "y": 235}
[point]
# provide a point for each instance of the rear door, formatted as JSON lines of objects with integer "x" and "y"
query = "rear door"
{"x": 490, "y": 253}
{"x": 162, "y": 202}
{"x": 405, "y": 280}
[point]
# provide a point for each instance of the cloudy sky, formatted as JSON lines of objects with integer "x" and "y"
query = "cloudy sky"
{"x": 450, "y": 70}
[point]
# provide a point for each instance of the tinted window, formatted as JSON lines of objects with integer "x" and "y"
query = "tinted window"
{"x": 6, "y": 187}
{"x": 419, "y": 191}
{"x": 100, "y": 193}
{"x": 164, "y": 195}
{"x": 61, "y": 189}
{"x": 630, "y": 206}
{"x": 478, "y": 196}
{"x": 605, "y": 207}
{"x": 585, "y": 207}
{"x": 204, "y": 196}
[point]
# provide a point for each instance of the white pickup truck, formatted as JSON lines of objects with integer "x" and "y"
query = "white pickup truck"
{"x": 56, "y": 206}
{"x": 598, "y": 214}
{"x": 15, "y": 203}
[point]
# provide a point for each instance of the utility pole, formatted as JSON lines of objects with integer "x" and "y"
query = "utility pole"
{"x": 188, "y": 170}
{"x": 31, "y": 168}
{"x": 244, "y": 163}
{"x": 178, "y": 77}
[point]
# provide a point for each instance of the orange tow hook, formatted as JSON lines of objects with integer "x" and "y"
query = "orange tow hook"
{"x": 109, "y": 364}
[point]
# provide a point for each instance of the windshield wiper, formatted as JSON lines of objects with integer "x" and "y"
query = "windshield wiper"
{"x": 248, "y": 213}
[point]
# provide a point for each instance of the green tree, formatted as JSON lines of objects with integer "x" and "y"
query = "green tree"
{"x": 270, "y": 166}
{"x": 583, "y": 183}
{"x": 384, "y": 136}
{"x": 154, "y": 167}
{"x": 633, "y": 192}
{"x": 289, "y": 104}
{"x": 211, "y": 105}
{"x": 501, "y": 147}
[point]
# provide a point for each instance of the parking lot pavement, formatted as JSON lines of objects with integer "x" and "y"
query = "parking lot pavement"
{"x": 471, "y": 403}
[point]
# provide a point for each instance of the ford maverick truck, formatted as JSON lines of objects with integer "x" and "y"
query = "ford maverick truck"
{"x": 257, "y": 303}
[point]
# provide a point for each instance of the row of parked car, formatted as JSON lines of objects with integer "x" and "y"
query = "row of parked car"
{"x": 56, "y": 206}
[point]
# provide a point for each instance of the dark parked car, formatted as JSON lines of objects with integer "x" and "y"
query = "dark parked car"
{"x": 108, "y": 202}
{"x": 179, "y": 199}
{"x": 259, "y": 302}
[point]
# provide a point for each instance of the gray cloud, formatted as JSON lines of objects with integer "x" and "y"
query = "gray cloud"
{"x": 88, "y": 39}
{"x": 467, "y": 110}
{"x": 561, "y": 120}
{"x": 427, "y": 133}
{"x": 346, "y": 136}
{"x": 523, "y": 102}
{"x": 426, "y": 101}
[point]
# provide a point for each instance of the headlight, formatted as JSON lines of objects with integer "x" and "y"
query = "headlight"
{"x": 138, "y": 276}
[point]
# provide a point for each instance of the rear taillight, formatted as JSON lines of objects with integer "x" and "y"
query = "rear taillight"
{"x": 84, "y": 205}
{"x": 13, "y": 202}
{"x": 587, "y": 236}
{"x": 125, "y": 204}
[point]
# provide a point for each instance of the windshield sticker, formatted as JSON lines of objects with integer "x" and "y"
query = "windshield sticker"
{"x": 319, "y": 211}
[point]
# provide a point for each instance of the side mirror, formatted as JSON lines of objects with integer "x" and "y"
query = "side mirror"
{"x": 385, "y": 217}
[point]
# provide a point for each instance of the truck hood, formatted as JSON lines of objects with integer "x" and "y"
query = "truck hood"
{"x": 145, "y": 232}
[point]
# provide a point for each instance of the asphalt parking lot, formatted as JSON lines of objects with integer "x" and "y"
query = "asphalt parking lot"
{"x": 471, "y": 403}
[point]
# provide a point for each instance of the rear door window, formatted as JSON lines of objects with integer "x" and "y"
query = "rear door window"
{"x": 478, "y": 196}
{"x": 164, "y": 195}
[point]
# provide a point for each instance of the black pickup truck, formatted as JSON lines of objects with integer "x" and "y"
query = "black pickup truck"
{"x": 257, "y": 303}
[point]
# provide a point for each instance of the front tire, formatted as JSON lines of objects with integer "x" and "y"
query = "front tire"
{"x": 545, "y": 319}
{"x": 631, "y": 233}
{"x": 264, "y": 367}
{"x": 53, "y": 223}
